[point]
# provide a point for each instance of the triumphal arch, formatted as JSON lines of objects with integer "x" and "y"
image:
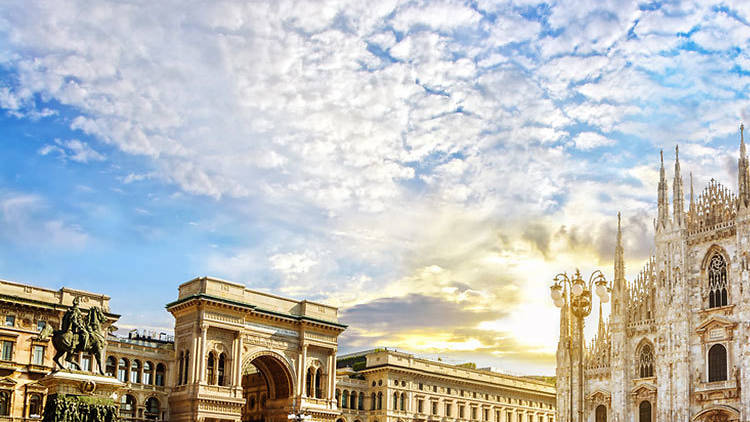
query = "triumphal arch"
{"x": 243, "y": 355}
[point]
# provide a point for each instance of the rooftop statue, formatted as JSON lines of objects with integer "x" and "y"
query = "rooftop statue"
{"x": 78, "y": 333}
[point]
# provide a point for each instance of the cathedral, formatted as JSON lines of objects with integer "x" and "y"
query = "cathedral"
{"x": 675, "y": 347}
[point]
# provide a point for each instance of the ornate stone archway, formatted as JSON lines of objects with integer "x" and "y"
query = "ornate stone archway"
{"x": 719, "y": 413}
{"x": 270, "y": 342}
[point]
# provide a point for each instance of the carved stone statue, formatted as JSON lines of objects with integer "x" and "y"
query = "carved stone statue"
{"x": 78, "y": 333}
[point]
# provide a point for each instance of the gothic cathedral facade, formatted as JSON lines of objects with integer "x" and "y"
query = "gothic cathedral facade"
{"x": 675, "y": 347}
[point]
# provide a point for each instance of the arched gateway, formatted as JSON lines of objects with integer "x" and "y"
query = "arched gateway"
{"x": 248, "y": 356}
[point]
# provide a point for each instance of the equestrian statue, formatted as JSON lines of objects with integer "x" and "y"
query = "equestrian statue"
{"x": 78, "y": 333}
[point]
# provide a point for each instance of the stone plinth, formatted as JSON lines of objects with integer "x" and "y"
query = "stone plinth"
{"x": 75, "y": 396}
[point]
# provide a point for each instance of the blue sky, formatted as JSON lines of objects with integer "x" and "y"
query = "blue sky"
{"x": 425, "y": 166}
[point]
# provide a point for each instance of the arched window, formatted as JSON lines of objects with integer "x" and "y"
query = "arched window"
{"x": 717, "y": 281}
{"x": 127, "y": 406}
{"x": 395, "y": 401}
{"x": 309, "y": 383}
{"x": 338, "y": 397}
{"x": 373, "y": 401}
{"x": 646, "y": 361}
{"x": 403, "y": 402}
{"x": 353, "y": 400}
{"x": 152, "y": 409}
{"x": 4, "y": 403}
{"x": 111, "y": 366}
{"x": 210, "y": 368}
{"x": 601, "y": 413}
{"x": 222, "y": 362}
{"x": 160, "y": 374}
{"x": 148, "y": 373}
{"x": 35, "y": 406}
{"x": 135, "y": 371}
{"x": 318, "y": 380}
{"x": 187, "y": 367}
{"x": 644, "y": 412}
{"x": 380, "y": 401}
{"x": 122, "y": 370}
{"x": 181, "y": 369}
{"x": 361, "y": 403}
{"x": 345, "y": 399}
{"x": 717, "y": 363}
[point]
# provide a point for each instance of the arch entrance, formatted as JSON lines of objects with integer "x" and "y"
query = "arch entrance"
{"x": 268, "y": 389}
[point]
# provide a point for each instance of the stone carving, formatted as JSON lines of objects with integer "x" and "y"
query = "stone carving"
{"x": 78, "y": 334}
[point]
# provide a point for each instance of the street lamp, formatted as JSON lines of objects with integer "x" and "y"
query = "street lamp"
{"x": 578, "y": 302}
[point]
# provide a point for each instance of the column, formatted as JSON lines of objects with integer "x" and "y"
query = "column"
{"x": 303, "y": 371}
{"x": 332, "y": 375}
{"x": 192, "y": 363}
{"x": 201, "y": 362}
{"x": 238, "y": 380}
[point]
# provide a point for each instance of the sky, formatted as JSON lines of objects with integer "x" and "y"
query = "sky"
{"x": 426, "y": 166}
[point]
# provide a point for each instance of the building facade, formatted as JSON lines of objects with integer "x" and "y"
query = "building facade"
{"x": 242, "y": 355}
{"x": 389, "y": 386}
{"x": 676, "y": 345}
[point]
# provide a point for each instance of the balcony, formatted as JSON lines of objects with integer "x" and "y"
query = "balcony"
{"x": 717, "y": 390}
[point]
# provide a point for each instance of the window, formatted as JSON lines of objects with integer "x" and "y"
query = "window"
{"x": 421, "y": 386}
{"x": 160, "y": 372}
{"x": 345, "y": 399}
{"x": 152, "y": 409}
{"x": 148, "y": 376}
{"x": 460, "y": 411}
{"x": 473, "y": 413}
{"x": 127, "y": 406}
{"x": 4, "y": 403}
{"x": 37, "y": 357}
{"x": 7, "y": 350}
{"x": 338, "y": 397}
{"x": 373, "y": 401}
{"x": 210, "y": 371}
{"x": 10, "y": 320}
{"x": 434, "y": 407}
{"x": 318, "y": 385}
{"x": 717, "y": 281}
{"x": 111, "y": 366}
{"x": 420, "y": 406}
{"x": 403, "y": 402}
{"x": 40, "y": 325}
{"x": 646, "y": 361}
{"x": 187, "y": 367}
{"x": 717, "y": 363}
{"x": 434, "y": 388}
{"x": 395, "y": 401}
{"x": 135, "y": 371}
{"x": 353, "y": 400}
{"x": 485, "y": 414}
{"x": 35, "y": 406}
{"x": 601, "y": 413}
{"x": 122, "y": 370}
{"x": 222, "y": 362}
{"x": 448, "y": 410}
{"x": 86, "y": 363}
{"x": 361, "y": 403}
{"x": 508, "y": 416}
{"x": 380, "y": 401}
{"x": 644, "y": 412}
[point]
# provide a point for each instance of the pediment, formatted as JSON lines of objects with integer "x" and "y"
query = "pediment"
{"x": 7, "y": 381}
{"x": 715, "y": 321}
{"x": 599, "y": 396}
{"x": 643, "y": 389}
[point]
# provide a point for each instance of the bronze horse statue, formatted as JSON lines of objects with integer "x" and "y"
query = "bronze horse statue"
{"x": 69, "y": 343}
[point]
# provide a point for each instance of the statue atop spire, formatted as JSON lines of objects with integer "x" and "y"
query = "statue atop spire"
{"x": 663, "y": 219}
{"x": 743, "y": 173}
{"x": 678, "y": 197}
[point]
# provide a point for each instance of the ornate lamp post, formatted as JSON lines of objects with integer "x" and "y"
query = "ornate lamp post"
{"x": 577, "y": 298}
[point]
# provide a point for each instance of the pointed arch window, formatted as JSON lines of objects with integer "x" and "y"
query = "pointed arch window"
{"x": 717, "y": 281}
{"x": 373, "y": 401}
{"x": 601, "y": 413}
{"x": 644, "y": 412}
{"x": 318, "y": 380}
{"x": 646, "y": 361}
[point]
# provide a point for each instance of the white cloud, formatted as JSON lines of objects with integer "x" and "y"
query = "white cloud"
{"x": 591, "y": 140}
{"x": 73, "y": 150}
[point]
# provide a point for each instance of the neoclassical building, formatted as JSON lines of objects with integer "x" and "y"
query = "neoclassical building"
{"x": 676, "y": 345}
{"x": 243, "y": 355}
{"x": 384, "y": 385}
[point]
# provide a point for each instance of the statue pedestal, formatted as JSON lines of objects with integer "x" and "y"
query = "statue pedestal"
{"x": 74, "y": 396}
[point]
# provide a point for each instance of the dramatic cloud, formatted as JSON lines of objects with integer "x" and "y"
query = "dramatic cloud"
{"x": 404, "y": 160}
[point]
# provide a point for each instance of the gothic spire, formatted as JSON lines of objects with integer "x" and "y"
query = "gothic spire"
{"x": 601, "y": 334}
{"x": 691, "y": 211}
{"x": 619, "y": 281}
{"x": 743, "y": 172}
{"x": 678, "y": 197}
{"x": 663, "y": 219}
